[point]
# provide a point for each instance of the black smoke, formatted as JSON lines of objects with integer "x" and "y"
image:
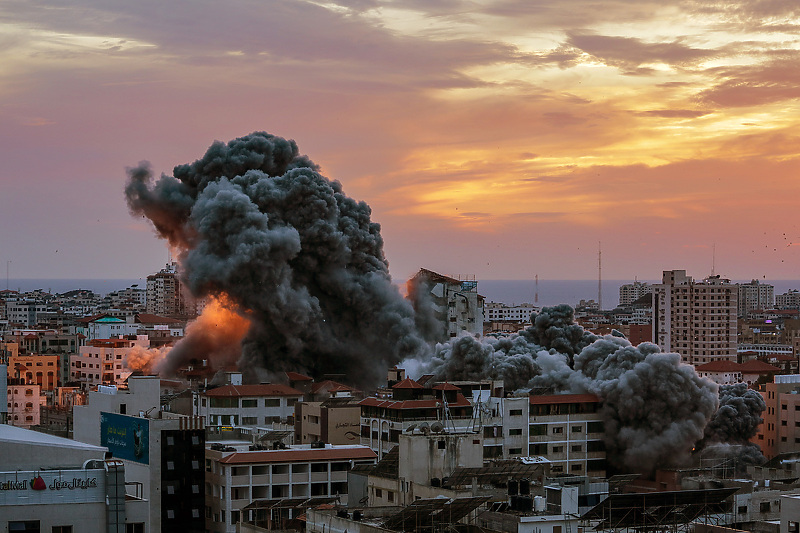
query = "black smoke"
{"x": 729, "y": 431}
{"x": 654, "y": 407}
{"x": 257, "y": 222}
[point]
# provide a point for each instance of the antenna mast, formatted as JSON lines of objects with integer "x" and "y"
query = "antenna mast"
{"x": 599, "y": 275}
{"x": 536, "y": 289}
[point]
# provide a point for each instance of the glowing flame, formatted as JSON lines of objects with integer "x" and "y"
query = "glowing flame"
{"x": 216, "y": 336}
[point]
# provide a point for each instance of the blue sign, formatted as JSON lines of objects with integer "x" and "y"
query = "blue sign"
{"x": 126, "y": 437}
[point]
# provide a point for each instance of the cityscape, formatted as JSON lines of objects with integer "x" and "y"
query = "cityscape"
{"x": 387, "y": 266}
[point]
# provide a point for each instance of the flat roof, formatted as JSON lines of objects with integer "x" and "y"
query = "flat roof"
{"x": 302, "y": 455}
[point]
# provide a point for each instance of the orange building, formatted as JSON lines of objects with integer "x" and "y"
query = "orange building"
{"x": 35, "y": 369}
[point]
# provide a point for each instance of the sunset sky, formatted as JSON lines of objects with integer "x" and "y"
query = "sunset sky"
{"x": 496, "y": 139}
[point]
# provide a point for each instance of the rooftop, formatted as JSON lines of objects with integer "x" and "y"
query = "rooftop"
{"x": 253, "y": 390}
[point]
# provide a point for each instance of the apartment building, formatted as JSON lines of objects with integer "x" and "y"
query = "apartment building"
{"x": 454, "y": 303}
{"x": 248, "y": 405}
{"x": 101, "y": 361}
{"x": 240, "y": 480}
{"x": 755, "y": 296}
{"x": 42, "y": 370}
{"x": 166, "y": 295}
{"x": 24, "y": 404}
{"x": 788, "y": 300}
{"x": 630, "y": 292}
{"x": 568, "y": 430}
{"x": 696, "y": 319}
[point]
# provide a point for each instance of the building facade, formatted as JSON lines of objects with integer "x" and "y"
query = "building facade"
{"x": 248, "y": 405}
{"x": 695, "y": 319}
{"x": 630, "y": 292}
{"x": 755, "y": 295}
{"x": 453, "y": 304}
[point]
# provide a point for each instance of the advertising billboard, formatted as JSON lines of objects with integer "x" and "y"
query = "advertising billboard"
{"x": 126, "y": 437}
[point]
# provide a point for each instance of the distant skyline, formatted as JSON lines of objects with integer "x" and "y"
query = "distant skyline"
{"x": 496, "y": 139}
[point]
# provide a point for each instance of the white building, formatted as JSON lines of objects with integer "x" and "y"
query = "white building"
{"x": 248, "y": 405}
{"x": 24, "y": 312}
{"x": 166, "y": 295}
{"x": 24, "y": 405}
{"x": 238, "y": 477}
{"x": 696, "y": 319}
{"x": 162, "y": 452}
{"x": 755, "y": 295}
{"x": 455, "y": 304}
{"x": 630, "y": 292}
{"x": 788, "y": 300}
{"x": 49, "y": 483}
{"x": 500, "y": 312}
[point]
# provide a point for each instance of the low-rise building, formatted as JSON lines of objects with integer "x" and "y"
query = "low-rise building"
{"x": 240, "y": 480}
{"x": 248, "y": 405}
{"x": 568, "y": 430}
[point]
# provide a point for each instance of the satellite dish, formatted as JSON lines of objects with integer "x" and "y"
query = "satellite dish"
{"x": 424, "y": 428}
{"x": 410, "y": 429}
{"x": 437, "y": 427}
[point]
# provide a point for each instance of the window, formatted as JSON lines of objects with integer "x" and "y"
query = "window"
{"x": 558, "y": 449}
{"x": 134, "y": 528}
{"x": 558, "y": 429}
{"x": 250, "y": 403}
{"x": 764, "y": 507}
{"x": 442, "y": 444}
{"x": 742, "y": 509}
{"x": 272, "y": 402}
{"x": 62, "y": 529}
{"x": 515, "y": 451}
{"x": 24, "y": 526}
{"x": 378, "y": 493}
{"x": 577, "y": 429}
{"x": 390, "y": 495}
{"x": 249, "y": 420}
{"x": 576, "y": 448}
{"x": 515, "y": 412}
{"x": 514, "y": 432}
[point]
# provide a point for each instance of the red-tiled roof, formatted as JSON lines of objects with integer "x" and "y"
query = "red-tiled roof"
{"x": 755, "y": 366}
{"x": 461, "y": 401}
{"x": 147, "y": 318}
{"x": 446, "y": 386}
{"x": 253, "y": 390}
{"x": 300, "y": 456}
{"x": 329, "y": 385}
{"x": 548, "y": 399}
{"x": 295, "y": 376}
{"x": 407, "y": 383}
{"x": 781, "y": 357}
{"x": 719, "y": 366}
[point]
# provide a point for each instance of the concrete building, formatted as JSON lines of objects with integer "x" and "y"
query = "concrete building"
{"x": 500, "y": 312}
{"x": 780, "y": 431}
{"x": 102, "y": 361}
{"x": 755, "y": 295}
{"x": 788, "y": 300}
{"x": 240, "y": 480}
{"x": 248, "y": 405}
{"x": 695, "y": 319}
{"x": 721, "y": 372}
{"x": 42, "y": 370}
{"x": 49, "y": 483}
{"x": 24, "y": 404}
{"x": 162, "y": 453}
{"x": 630, "y": 292}
{"x": 334, "y": 421}
{"x": 454, "y": 304}
{"x": 568, "y": 430}
{"x": 166, "y": 295}
{"x": 24, "y": 312}
{"x": 107, "y": 327}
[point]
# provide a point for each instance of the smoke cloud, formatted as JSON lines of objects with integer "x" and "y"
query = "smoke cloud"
{"x": 655, "y": 408}
{"x": 729, "y": 431}
{"x": 257, "y": 223}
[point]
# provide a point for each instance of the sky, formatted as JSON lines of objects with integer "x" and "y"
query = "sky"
{"x": 497, "y": 139}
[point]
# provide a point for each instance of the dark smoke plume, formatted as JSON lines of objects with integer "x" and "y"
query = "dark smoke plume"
{"x": 255, "y": 221}
{"x": 655, "y": 408}
{"x": 736, "y": 421}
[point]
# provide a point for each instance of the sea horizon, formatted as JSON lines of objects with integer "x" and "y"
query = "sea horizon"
{"x": 510, "y": 292}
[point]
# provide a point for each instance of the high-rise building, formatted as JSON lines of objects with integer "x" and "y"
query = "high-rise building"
{"x": 449, "y": 305}
{"x": 755, "y": 295}
{"x": 630, "y": 292}
{"x": 788, "y": 300}
{"x": 696, "y": 319}
{"x": 166, "y": 295}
